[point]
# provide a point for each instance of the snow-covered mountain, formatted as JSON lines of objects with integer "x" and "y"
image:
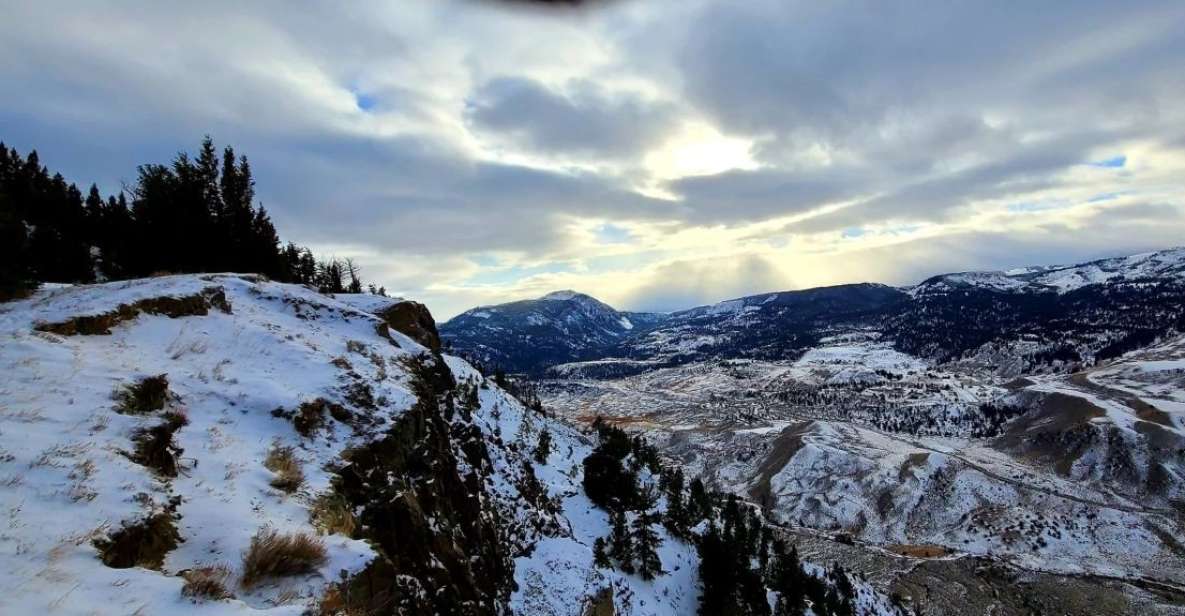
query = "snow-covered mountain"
{"x": 1067, "y": 314}
{"x": 1165, "y": 264}
{"x": 527, "y": 335}
{"x": 225, "y": 444}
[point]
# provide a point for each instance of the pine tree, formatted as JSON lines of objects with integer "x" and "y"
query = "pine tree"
{"x": 600, "y": 558}
{"x": 543, "y": 447}
{"x": 699, "y": 503}
{"x": 621, "y": 543}
{"x": 645, "y": 539}
{"x": 676, "y": 518}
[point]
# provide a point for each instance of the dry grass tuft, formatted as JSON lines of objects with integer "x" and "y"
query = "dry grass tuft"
{"x": 140, "y": 544}
{"x": 145, "y": 396}
{"x": 283, "y": 462}
{"x": 332, "y": 515}
{"x": 273, "y": 555}
{"x": 310, "y": 417}
{"x": 155, "y": 447}
{"x": 207, "y": 583}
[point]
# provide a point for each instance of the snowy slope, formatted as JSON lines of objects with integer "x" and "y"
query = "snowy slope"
{"x": 1164, "y": 264}
{"x": 259, "y": 347}
{"x": 66, "y": 482}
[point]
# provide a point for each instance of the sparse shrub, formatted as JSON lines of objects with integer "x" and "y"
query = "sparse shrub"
{"x": 145, "y": 396}
{"x": 360, "y": 394}
{"x": 283, "y": 462}
{"x": 142, "y": 544}
{"x": 309, "y": 417}
{"x": 155, "y": 447}
{"x": 206, "y": 583}
{"x": 332, "y": 515}
{"x": 274, "y": 555}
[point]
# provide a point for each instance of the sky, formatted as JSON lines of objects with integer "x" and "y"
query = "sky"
{"x": 655, "y": 154}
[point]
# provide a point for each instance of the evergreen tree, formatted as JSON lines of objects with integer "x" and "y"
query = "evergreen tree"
{"x": 600, "y": 557}
{"x": 645, "y": 539}
{"x": 543, "y": 447}
{"x": 621, "y": 543}
{"x": 189, "y": 215}
{"x": 699, "y": 503}
{"x": 676, "y": 519}
{"x": 16, "y": 274}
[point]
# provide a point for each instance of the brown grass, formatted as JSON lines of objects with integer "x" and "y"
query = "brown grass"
{"x": 155, "y": 447}
{"x": 141, "y": 544}
{"x": 274, "y": 555}
{"x": 283, "y": 462}
{"x": 310, "y": 417}
{"x": 207, "y": 583}
{"x": 198, "y": 304}
{"x": 920, "y": 551}
{"x": 332, "y": 515}
{"x": 144, "y": 396}
{"x": 336, "y": 602}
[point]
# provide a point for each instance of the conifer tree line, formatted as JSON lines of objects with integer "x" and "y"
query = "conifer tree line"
{"x": 742, "y": 558}
{"x": 195, "y": 214}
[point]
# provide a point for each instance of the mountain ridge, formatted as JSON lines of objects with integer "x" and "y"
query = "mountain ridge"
{"x": 1021, "y": 301}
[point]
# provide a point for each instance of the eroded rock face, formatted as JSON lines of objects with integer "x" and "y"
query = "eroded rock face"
{"x": 413, "y": 320}
{"x": 437, "y": 534}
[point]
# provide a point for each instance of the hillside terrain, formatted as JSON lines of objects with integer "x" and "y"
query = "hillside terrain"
{"x": 227, "y": 444}
{"x": 982, "y": 428}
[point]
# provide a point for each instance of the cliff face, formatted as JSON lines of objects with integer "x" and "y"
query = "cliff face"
{"x": 420, "y": 493}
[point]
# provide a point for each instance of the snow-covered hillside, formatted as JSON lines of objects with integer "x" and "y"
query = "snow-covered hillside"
{"x": 1164, "y": 264}
{"x": 224, "y": 444}
{"x": 244, "y": 360}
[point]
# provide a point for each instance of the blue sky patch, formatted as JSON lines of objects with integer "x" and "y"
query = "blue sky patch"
{"x": 612, "y": 234}
{"x": 1114, "y": 162}
{"x": 365, "y": 102}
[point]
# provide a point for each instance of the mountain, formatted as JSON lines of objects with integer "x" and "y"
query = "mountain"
{"x": 225, "y": 444}
{"x": 1047, "y": 314}
{"x": 1014, "y": 442}
{"x": 529, "y": 335}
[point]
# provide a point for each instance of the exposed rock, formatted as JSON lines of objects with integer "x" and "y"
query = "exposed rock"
{"x": 439, "y": 540}
{"x": 413, "y": 320}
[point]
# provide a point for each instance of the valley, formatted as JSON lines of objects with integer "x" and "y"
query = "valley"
{"x": 1056, "y": 459}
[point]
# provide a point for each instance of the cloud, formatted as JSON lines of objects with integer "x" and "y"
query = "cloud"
{"x": 687, "y": 283}
{"x": 658, "y": 153}
{"x": 583, "y": 121}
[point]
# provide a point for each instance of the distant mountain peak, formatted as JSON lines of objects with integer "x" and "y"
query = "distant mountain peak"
{"x": 563, "y": 295}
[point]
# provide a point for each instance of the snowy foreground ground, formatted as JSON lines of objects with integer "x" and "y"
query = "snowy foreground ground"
{"x": 66, "y": 479}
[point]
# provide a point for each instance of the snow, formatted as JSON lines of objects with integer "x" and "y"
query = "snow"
{"x": 66, "y": 483}
{"x": 1066, "y": 278}
{"x": 561, "y": 296}
{"x": 725, "y": 307}
{"x": 367, "y": 302}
